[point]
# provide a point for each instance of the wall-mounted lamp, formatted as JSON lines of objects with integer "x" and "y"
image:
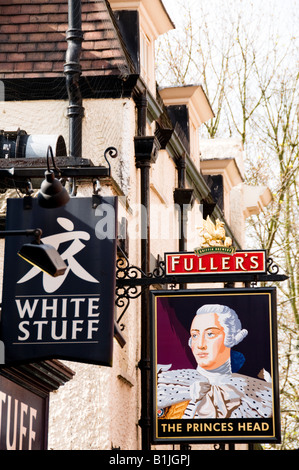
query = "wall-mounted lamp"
{"x": 45, "y": 257}
{"x": 18, "y": 144}
{"x": 52, "y": 193}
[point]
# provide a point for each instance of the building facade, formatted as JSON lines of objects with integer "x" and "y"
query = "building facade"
{"x": 85, "y": 70}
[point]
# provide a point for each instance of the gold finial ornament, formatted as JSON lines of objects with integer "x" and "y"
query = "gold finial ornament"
{"x": 213, "y": 235}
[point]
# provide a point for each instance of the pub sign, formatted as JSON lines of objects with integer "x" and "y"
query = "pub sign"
{"x": 214, "y": 366}
{"x": 71, "y": 316}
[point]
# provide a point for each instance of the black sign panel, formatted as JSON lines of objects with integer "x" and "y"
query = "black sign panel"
{"x": 70, "y": 316}
{"x": 215, "y": 373}
{"x": 23, "y": 418}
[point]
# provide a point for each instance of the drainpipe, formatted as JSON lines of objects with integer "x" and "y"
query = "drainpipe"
{"x": 183, "y": 197}
{"x": 145, "y": 155}
{"x": 181, "y": 185}
{"x": 72, "y": 71}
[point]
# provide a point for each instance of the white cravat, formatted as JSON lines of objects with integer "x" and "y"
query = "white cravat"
{"x": 214, "y": 398}
{"x": 216, "y": 376}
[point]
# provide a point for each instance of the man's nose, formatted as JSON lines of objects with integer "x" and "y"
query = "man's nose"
{"x": 201, "y": 344}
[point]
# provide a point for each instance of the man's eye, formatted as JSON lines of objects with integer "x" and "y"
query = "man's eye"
{"x": 211, "y": 334}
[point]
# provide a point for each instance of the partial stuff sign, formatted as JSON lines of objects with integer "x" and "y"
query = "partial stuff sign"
{"x": 214, "y": 366}
{"x": 23, "y": 418}
{"x": 70, "y": 316}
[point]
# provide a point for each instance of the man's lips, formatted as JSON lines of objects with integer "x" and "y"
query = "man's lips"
{"x": 202, "y": 354}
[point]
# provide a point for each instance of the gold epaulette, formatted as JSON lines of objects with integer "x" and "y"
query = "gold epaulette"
{"x": 175, "y": 411}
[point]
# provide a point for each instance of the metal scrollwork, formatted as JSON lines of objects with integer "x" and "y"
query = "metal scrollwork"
{"x": 126, "y": 292}
{"x": 123, "y": 296}
{"x": 131, "y": 281}
{"x": 159, "y": 270}
{"x": 271, "y": 267}
{"x": 112, "y": 153}
{"x": 125, "y": 271}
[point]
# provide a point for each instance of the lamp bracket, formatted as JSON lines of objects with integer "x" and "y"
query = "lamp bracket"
{"x": 36, "y": 232}
{"x": 16, "y": 172}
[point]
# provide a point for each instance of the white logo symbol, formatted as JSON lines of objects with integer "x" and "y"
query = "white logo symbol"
{"x": 51, "y": 284}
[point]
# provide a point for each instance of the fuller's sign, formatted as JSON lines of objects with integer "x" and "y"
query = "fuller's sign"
{"x": 216, "y": 260}
{"x": 69, "y": 316}
{"x": 215, "y": 255}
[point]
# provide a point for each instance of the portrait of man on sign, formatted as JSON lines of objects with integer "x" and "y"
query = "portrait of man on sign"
{"x": 215, "y": 365}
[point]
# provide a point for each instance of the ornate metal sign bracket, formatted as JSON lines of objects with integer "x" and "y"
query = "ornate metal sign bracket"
{"x": 131, "y": 281}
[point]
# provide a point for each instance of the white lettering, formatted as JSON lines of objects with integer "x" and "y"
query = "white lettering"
{"x": 76, "y": 328}
{"x": 26, "y": 308}
{"x": 254, "y": 261}
{"x": 2, "y": 400}
{"x": 174, "y": 261}
{"x": 92, "y": 307}
{"x": 63, "y": 308}
{"x": 9, "y": 445}
{"x": 32, "y": 434}
{"x": 239, "y": 263}
{"x": 200, "y": 267}
{"x": 17, "y": 423}
{"x": 58, "y": 319}
{"x": 23, "y": 429}
{"x": 225, "y": 261}
{"x": 40, "y": 329}
{"x": 91, "y": 328}
{"x": 23, "y": 330}
{"x": 190, "y": 267}
{"x": 63, "y": 333}
{"x": 52, "y": 308}
{"x": 77, "y": 306}
{"x": 212, "y": 267}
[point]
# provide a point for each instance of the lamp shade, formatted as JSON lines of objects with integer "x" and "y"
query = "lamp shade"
{"x": 52, "y": 194}
{"x": 45, "y": 257}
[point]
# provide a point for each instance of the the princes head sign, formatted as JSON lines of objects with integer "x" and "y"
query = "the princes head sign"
{"x": 215, "y": 366}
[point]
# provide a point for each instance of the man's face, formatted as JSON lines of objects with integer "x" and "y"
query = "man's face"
{"x": 207, "y": 341}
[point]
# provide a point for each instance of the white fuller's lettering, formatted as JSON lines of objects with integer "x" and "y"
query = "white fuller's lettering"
{"x": 239, "y": 263}
{"x": 254, "y": 262}
{"x": 174, "y": 261}
{"x": 188, "y": 264}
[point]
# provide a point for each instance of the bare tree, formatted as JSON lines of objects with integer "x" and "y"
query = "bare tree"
{"x": 248, "y": 65}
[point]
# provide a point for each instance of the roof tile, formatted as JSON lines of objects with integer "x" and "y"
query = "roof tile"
{"x": 33, "y": 39}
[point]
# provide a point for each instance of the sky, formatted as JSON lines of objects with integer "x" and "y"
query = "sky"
{"x": 284, "y": 13}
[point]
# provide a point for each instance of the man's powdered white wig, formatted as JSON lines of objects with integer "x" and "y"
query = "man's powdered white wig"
{"x": 230, "y": 322}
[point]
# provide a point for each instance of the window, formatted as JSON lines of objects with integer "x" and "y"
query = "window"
{"x": 147, "y": 60}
